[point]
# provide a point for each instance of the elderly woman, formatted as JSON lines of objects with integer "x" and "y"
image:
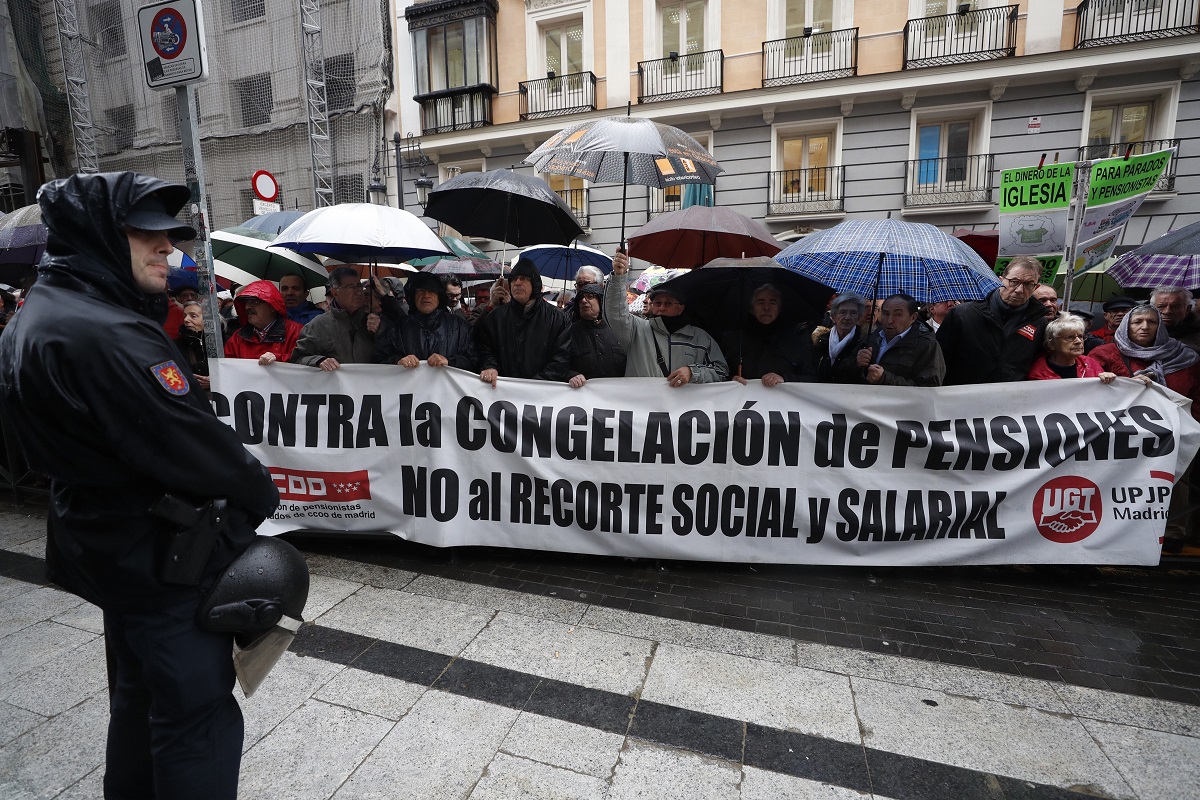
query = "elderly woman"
{"x": 1064, "y": 358}
{"x": 840, "y": 343}
{"x": 1141, "y": 348}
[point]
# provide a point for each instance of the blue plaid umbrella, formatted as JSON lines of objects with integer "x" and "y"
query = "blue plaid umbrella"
{"x": 561, "y": 262}
{"x": 876, "y": 258}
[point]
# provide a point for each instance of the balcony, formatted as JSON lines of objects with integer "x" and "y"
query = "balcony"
{"x": 1165, "y": 184}
{"x": 577, "y": 199}
{"x": 813, "y": 57}
{"x": 1100, "y": 22}
{"x": 456, "y": 109}
{"x": 555, "y": 95}
{"x": 947, "y": 181}
{"x": 982, "y": 35}
{"x": 805, "y": 191}
{"x": 691, "y": 75}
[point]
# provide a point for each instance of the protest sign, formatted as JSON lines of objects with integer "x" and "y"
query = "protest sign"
{"x": 721, "y": 472}
{"x": 1035, "y": 206}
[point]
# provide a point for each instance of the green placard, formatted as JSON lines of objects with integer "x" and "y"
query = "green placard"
{"x": 1050, "y": 265}
{"x": 1036, "y": 188}
{"x": 1115, "y": 179}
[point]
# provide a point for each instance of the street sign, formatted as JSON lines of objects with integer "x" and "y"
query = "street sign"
{"x": 264, "y": 185}
{"x": 264, "y": 207}
{"x": 173, "y": 48}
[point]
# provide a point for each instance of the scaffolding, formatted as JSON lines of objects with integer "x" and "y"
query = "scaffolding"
{"x": 75, "y": 81}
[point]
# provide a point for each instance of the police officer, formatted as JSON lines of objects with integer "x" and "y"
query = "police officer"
{"x": 101, "y": 400}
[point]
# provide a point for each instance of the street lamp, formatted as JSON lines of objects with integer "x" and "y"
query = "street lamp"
{"x": 423, "y": 184}
{"x": 377, "y": 192}
{"x": 416, "y": 158}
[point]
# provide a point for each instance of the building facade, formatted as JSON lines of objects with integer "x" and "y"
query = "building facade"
{"x": 818, "y": 110}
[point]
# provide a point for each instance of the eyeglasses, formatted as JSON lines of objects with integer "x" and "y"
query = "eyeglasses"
{"x": 1073, "y": 337}
{"x": 358, "y": 287}
{"x": 1020, "y": 284}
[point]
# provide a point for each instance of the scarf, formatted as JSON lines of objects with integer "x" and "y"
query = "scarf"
{"x": 1166, "y": 355}
{"x": 837, "y": 344}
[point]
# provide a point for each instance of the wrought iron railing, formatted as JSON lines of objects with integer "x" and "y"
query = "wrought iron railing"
{"x": 981, "y": 35}
{"x": 948, "y": 181}
{"x": 1165, "y": 184}
{"x": 1099, "y": 22}
{"x": 813, "y": 57}
{"x": 456, "y": 109}
{"x": 558, "y": 94}
{"x": 690, "y": 75}
{"x": 577, "y": 199}
{"x": 806, "y": 191}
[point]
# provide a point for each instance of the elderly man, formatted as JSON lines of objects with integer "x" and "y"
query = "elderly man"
{"x": 937, "y": 313}
{"x": 594, "y": 350}
{"x": 1178, "y": 314}
{"x": 295, "y": 299}
{"x": 265, "y": 332}
{"x": 1048, "y": 297}
{"x": 768, "y": 347}
{"x": 1114, "y": 310}
{"x": 838, "y": 344}
{"x": 902, "y": 352}
{"x": 345, "y": 334}
{"x": 996, "y": 339}
{"x": 520, "y": 339}
{"x": 665, "y": 344}
{"x": 429, "y": 332}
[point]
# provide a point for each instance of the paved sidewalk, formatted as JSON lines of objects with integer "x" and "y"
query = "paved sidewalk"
{"x": 415, "y": 678}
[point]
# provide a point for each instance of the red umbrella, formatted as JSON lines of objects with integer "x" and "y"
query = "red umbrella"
{"x": 985, "y": 243}
{"x": 696, "y": 235}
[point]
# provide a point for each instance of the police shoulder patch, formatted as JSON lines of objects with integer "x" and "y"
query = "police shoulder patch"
{"x": 171, "y": 377}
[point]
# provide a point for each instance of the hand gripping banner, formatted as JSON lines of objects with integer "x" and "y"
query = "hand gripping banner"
{"x": 1052, "y": 472}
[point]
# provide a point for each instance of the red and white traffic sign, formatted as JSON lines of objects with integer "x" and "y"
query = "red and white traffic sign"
{"x": 264, "y": 185}
{"x": 172, "y": 38}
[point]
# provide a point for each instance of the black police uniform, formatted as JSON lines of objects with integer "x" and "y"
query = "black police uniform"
{"x": 101, "y": 400}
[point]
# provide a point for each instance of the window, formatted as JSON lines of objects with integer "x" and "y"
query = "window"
{"x": 950, "y": 161}
{"x": 340, "y": 84}
{"x": 246, "y": 203}
{"x": 123, "y": 123}
{"x": 107, "y": 28}
{"x": 801, "y": 14}
{"x": 806, "y": 176}
{"x": 453, "y": 53}
{"x": 562, "y": 46}
{"x": 682, "y": 27}
{"x": 349, "y": 189}
{"x": 1120, "y": 123}
{"x": 255, "y": 99}
{"x": 246, "y": 10}
{"x": 806, "y": 161}
{"x": 573, "y": 191}
{"x": 1140, "y": 120}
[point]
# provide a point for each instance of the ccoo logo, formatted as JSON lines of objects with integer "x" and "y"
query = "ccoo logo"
{"x": 1067, "y": 509}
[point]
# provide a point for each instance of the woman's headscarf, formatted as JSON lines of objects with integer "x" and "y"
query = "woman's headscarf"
{"x": 1166, "y": 355}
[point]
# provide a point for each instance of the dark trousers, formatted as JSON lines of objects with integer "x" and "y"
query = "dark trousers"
{"x": 175, "y": 731}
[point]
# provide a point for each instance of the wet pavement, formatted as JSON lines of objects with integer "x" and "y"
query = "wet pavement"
{"x": 501, "y": 674}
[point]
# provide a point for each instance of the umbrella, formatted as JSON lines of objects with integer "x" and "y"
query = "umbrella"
{"x": 466, "y": 269}
{"x": 1093, "y": 286}
{"x": 504, "y": 205}
{"x": 698, "y": 234}
{"x": 458, "y": 247}
{"x": 1172, "y": 259}
{"x": 718, "y": 294}
{"x": 558, "y": 262}
{"x": 22, "y": 243}
{"x": 876, "y": 258}
{"x": 248, "y": 253}
{"x": 361, "y": 233}
{"x": 653, "y": 277}
{"x": 626, "y": 150}
{"x": 272, "y": 223}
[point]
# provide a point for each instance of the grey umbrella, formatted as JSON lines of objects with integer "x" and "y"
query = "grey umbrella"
{"x": 504, "y": 205}
{"x": 626, "y": 150}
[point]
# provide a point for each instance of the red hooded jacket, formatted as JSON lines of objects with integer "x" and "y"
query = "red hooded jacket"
{"x": 279, "y": 339}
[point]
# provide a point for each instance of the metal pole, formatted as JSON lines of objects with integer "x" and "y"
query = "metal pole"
{"x": 399, "y": 172}
{"x": 193, "y": 167}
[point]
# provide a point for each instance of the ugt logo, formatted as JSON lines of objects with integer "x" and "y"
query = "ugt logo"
{"x": 1067, "y": 509}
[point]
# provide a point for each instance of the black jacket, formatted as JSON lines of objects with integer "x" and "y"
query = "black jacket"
{"x": 784, "y": 348}
{"x": 982, "y": 345}
{"x": 915, "y": 360}
{"x": 422, "y": 335}
{"x": 833, "y": 370}
{"x": 523, "y": 342}
{"x": 593, "y": 350}
{"x": 101, "y": 400}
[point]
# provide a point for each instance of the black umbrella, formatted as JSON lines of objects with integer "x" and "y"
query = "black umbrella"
{"x": 22, "y": 242}
{"x": 466, "y": 269}
{"x": 505, "y": 206}
{"x": 626, "y": 150}
{"x": 718, "y": 294}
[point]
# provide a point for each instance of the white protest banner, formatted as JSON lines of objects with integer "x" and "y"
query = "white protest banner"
{"x": 799, "y": 473}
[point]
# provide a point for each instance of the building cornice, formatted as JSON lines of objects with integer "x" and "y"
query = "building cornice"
{"x": 439, "y": 12}
{"x": 987, "y": 76}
